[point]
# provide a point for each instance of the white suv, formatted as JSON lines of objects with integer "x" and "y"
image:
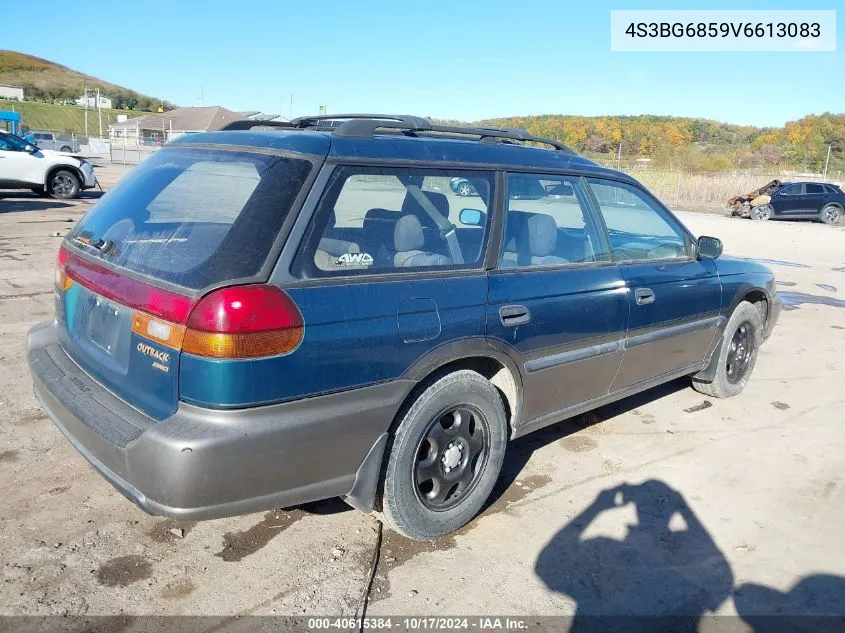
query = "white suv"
{"x": 44, "y": 171}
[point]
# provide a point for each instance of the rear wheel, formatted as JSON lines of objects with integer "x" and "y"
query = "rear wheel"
{"x": 737, "y": 354}
{"x": 65, "y": 148}
{"x": 63, "y": 184}
{"x": 464, "y": 189}
{"x": 762, "y": 212}
{"x": 445, "y": 458}
{"x": 831, "y": 214}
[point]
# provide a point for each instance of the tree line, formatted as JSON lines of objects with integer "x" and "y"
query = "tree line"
{"x": 122, "y": 99}
{"x": 695, "y": 144}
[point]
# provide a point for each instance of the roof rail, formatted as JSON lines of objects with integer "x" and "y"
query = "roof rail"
{"x": 248, "y": 124}
{"x": 366, "y": 125}
{"x": 406, "y": 120}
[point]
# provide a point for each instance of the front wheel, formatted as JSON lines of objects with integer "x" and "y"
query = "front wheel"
{"x": 464, "y": 189}
{"x": 737, "y": 354}
{"x": 762, "y": 212}
{"x": 65, "y": 148}
{"x": 63, "y": 184}
{"x": 445, "y": 457}
{"x": 831, "y": 214}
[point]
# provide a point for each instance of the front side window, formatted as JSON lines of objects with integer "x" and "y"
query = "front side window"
{"x": 639, "y": 230}
{"x": 384, "y": 219}
{"x": 792, "y": 190}
{"x": 548, "y": 223}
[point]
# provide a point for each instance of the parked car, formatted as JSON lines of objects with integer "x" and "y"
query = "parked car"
{"x": 523, "y": 188}
{"x": 26, "y": 166}
{"x": 258, "y": 319}
{"x": 51, "y": 140}
{"x": 801, "y": 200}
{"x": 462, "y": 187}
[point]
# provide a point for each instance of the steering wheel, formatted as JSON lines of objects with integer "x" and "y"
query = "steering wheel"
{"x": 665, "y": 251}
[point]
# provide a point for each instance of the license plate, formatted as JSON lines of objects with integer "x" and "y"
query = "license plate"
{"x": 104, "y": 325}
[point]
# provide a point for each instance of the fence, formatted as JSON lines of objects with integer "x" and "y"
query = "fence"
{"x": 130, "y": 145}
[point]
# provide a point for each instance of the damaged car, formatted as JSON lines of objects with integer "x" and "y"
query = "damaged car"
{"x": 820, "y": 201}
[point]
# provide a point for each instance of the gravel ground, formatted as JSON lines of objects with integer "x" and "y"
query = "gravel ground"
{"x": 725, "y": 506}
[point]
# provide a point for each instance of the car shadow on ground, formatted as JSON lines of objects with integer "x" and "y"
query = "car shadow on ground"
{"x": 667, "y": 572}
{"x": 16, "y": 203}
{"x": 520, "y": 450}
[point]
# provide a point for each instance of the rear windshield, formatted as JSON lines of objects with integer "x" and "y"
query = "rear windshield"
{"x": 194, "y": 217}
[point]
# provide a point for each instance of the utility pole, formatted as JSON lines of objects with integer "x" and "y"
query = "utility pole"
{"x": 618, "y": 155}
{"x": 290, "y": 112}
{"x": 99, "y": 112}
{"x": 826, "y": 162}
{"x": 85, "y": 105}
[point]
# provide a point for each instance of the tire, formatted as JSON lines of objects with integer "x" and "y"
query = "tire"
{"x": 763, "y": 212}
{"x": 415, "y": 497}
{"x": 729, "y": 381}
{"x": 65, "y": 148}
{"x": 464, "y": 189}
{"x": 64, "y": 184}
{"x": 831, "y": 214}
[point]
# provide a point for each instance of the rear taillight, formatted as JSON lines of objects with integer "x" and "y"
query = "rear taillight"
{"x": 63, "y": 282}
{"x": 243, "y": 322}
{"x": 235, "y": 322}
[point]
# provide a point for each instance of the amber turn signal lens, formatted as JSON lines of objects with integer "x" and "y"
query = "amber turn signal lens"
{"x": 249, "y": 345}
{"x": 63, "y": 282}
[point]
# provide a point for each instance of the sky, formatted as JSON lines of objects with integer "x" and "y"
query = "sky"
{"x": 465, "y": 60}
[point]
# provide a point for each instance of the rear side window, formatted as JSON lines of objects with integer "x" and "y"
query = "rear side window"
{"x": 812, "y": 188}
{"x": 383, "y": 220}
{"x": 194, "y": 217}
{"x": 548, "y": 223}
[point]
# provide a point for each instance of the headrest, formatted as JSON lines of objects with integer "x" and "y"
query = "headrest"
{"x": 439, "y": 200}
{"x": 408, "y": 235}
{"x": 379, "y": 224}
{"x": 542, "y": 234}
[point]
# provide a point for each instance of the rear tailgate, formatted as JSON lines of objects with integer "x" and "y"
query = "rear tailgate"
{"x": 187, "y": 220}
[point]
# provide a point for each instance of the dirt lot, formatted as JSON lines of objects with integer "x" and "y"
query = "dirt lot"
{"x": 729, "y": 504}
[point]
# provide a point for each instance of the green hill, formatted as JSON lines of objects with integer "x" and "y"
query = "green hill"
{"x": 44, "y": 80}
{"x": 63, "y": 118}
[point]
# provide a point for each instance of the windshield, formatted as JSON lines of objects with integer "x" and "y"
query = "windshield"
{"x": 194, "y": 217}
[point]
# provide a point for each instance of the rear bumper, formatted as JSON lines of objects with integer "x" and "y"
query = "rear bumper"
{"x": 206, "y": 463}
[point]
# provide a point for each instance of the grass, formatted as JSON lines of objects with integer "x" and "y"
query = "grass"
{"x": 63, "y": 118}
{"x": 707, "y": 190}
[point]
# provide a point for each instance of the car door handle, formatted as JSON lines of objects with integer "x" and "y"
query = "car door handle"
{"x": 512, "y": 315}
{"x": 644, "y": 296}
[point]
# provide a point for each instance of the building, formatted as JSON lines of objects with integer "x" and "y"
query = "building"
{"x": 157, "y": 129}
{"x": 93, "y": 101}
{"x": 11, "y": 92}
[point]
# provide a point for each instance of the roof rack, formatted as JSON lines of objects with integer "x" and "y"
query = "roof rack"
{"x": 366, "y": 126}
{"x": 248, "y": 124}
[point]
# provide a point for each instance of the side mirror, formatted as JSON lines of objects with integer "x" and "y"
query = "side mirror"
{"x": 30, "y": 148}
{"x": 708, "y": 247}
{"x": 472, "y": 217}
